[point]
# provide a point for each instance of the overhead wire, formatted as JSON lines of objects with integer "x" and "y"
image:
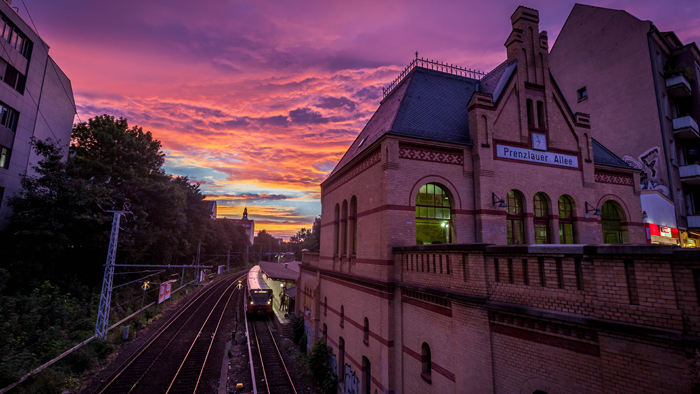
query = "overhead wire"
{"x": 136, "y": 280}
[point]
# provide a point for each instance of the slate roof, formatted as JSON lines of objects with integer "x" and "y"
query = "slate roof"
{"x": 488, "y": 83}
{"x": 603, "y": 156}
{"x": 427, "y": 104}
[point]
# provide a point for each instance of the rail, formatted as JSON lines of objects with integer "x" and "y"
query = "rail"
{"x": 431, "y": 65}
{"x": 271, "y": 376}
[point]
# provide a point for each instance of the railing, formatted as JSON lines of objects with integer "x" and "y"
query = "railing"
{"x": 690, "y": 170}
{"x": 432, "y": 65}
{"x": 678, "y": 80}
{"x": 683, "y": 122}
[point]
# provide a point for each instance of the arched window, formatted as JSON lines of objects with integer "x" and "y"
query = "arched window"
{"x": 366, "y": 376}
{"x": 324, "y": 333}
{"x": 566, "y": 220}
{"x": 433, "y": 218}
{"x": 541, "y": 218}
{"x": 613, "y": 230}
{"x": 514, "y": 219}
{"x": 426, "y": 363}
{"x": 366, "y": 332}
{"x": 325, "y": 306}
{"x": 341, "y": 359}
{"x": 530, "y": 113}
{"x": 344, "y": 229}
{"x": 336, "y": 229}
{"x": 353, "y": 225}
{"x": 342, "y": 316}
{"x": 540, "y": 115}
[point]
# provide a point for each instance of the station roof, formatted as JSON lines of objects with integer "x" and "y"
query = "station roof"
{"x": 427, "y": 104}
{"x": 603, "y": 156}
{"x": 277, "y": 271}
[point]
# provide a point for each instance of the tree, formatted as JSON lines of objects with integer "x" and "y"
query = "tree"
{"x": 306, "y": 239}
{"x": 267, "y": 242}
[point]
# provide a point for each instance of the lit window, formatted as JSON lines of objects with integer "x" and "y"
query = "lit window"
{"x": 541, "y": 219}
{"x": 514, "y": 218}
{"x": 433, "y": 218}
{"x": 566, "y": 224}
{"x": 5, "y": 157}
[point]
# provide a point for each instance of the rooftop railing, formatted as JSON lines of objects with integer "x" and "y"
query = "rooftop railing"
{"x": 432, "y": 65}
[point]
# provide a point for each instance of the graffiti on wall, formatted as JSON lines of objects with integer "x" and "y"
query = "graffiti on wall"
{"x": 650, "y": 164}
{"x": 333, "y": 362}
{"x": 309, "y": 330}
{"x": 351, "y": 381}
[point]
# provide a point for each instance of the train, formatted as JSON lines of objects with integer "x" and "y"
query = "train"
{"x": 259, "y": 293}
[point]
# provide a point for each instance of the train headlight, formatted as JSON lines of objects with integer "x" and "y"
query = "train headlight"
{"x": 251, "y": 303}
{"x": 268, "y": 302}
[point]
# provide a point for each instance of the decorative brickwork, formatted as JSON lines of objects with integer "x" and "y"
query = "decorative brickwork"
{"x": 440, "y": 156}
{"x": 358, "y": 169}
{"x": 614, "y": 178}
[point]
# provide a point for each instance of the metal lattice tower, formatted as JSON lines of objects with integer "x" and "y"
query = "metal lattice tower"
{"x": 106, "y": 297}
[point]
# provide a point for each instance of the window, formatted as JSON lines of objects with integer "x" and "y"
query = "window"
{"x": 353, "y": 225}
{"x": 5, "y": 157}
{"x": 336, "y": 230}
{"x": 511, "y": 278}
{"x": 582, "y": 94}
{"x": 16, "y": 39}
{"x": 541, "y": 219}
{"x": 578, "y": 270}
{"x": 612, "y": 223}
{"x": 526, "y": 274}
{"x": 366, "y": 376}
{"x": 344, "y": 229}
{"x": 566, "y": 220}
{"x": 341, "y": 358}
{"x": 325, "y": 306}
{"x": 361, "y": 142}
{"x": 540, "y": 115}
{"x": 324, "y": 333}
{"x": 13, "y": 78}
{"x": 530, "y": 113}
{"x": 342, "y": 316}
{"x": 366, "y": 332}
{"x": 433, "y": 217}
{"x": 514, "y": 219}
{"x": 540, "y": 266}
{"x": 426, "y": 363}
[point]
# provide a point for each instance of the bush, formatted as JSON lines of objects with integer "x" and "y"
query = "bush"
{"x": 320, "y": 367}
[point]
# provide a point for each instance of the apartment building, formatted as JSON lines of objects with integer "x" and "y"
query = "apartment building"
{"x": 640, "y": 86}
{"x": 36, "y": 100}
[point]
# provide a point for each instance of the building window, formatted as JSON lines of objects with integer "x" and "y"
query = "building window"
{"x": 353, "y": 225}
{"x": 540, "y": 266}
{"x": 514, "y": 218}
{"x": 530, "y": 113}
{"x": 612, "y": 218}
{"x": 344, "y": 229}
{"x": 511, "y": 278}
{"x": 426, "y": 363}
{"x": 366, "y": 332}
{"x": 325, "y": 306}
{"x": 540, "y": 115}
{"x": 366, "y": 376}
{"x": 526, "y": 274}
{"x": 566, "y": 220}
{"x": 541, "y": 219}
{"x": 16, "y": 39}
{"x": 342, "y": 316}
{"x": 433, "y": 217}
{"x": 560, "y": 271}
{"x": 325, "y": 331}
{"x": 336, "y": 230}
{"x": 579, "y": 273}
{"x": 582, "y": 94}
{"x": 5, "y": 154}
{"x": 341, "y": 358}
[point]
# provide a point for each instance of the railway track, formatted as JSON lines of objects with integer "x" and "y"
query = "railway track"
{"x": 174, "y": 358}
{"x": 268, "y": 368}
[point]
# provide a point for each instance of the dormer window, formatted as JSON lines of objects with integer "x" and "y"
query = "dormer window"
{"x": 361, "y": 142}
{"x": 582, "y": 94}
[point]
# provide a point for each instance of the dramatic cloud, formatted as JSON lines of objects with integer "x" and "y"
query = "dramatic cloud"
{"x": 258, "y": 101}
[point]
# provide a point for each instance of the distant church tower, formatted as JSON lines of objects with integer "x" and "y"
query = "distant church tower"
{"x": 245, "y": 213}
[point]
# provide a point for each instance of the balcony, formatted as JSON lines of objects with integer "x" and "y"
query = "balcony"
{"x": 685, "y": 128}
{"x": 690, "y": 174}
{"x": 694, "y": 221}
{"x": 677, "y": 86}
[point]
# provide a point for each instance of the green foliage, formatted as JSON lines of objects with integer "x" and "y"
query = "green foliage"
{"x": 54, "y": 246}
{"x": 320, "y": 367}
{"x": 306, "y": 239}
{"x": 297, "y": 328}
{"x": 268, "y": 243}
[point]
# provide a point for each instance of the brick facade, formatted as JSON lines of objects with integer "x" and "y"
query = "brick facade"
{"x": 496, "y": 318}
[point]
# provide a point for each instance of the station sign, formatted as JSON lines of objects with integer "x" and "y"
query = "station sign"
{"x": 220, "y": 269}
{"x": 164, "y": 292}
{"x": 202, "y": 276}
{"x": 533, "y": 156}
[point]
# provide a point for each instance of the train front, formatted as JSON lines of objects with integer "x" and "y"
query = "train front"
{"x": 259, "y": 294}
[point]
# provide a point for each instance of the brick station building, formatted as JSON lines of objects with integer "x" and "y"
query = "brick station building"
{"x": 468, "y": 245}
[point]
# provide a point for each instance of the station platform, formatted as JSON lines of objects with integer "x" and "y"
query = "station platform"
{"x": 284, "y": 325}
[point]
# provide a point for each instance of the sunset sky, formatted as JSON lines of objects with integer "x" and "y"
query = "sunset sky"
{"x": 258, "y": 100}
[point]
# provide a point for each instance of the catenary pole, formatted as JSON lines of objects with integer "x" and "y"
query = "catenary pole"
{"x": 106, "y": 296}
